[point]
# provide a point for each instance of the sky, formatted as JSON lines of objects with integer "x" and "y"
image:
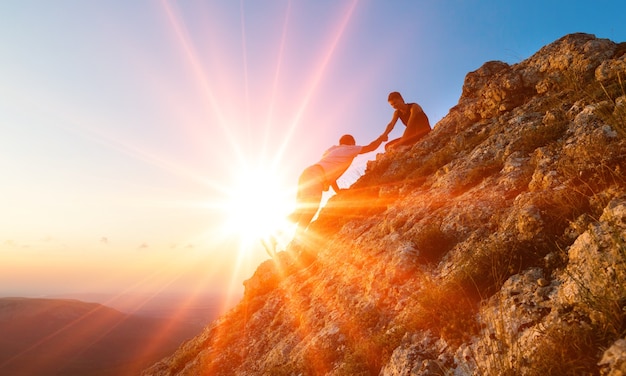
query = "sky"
{"x": 146, "y": 144}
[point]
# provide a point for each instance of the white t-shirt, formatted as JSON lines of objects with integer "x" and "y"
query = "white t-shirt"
{"x": 337, "y": 159}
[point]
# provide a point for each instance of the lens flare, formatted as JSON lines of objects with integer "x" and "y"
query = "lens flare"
{"x": 257, "y": 206}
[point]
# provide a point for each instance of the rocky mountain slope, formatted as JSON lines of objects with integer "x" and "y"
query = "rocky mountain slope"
{"x": 494, "y": 246}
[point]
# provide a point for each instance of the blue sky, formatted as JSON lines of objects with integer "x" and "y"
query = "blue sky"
{"x": 125, "y": 125}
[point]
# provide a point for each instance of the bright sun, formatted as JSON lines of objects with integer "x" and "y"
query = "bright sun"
{"x": 257, "y": 206}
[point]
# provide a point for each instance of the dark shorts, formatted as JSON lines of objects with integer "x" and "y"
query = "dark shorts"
{"x": 310, "y": 187}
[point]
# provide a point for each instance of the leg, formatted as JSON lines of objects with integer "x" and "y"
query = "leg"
{"x": 392, "y": 144}
{"x": 310, "y": 187}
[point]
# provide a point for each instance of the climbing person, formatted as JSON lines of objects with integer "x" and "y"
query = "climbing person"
{"x": 318, "y": 177}
{"x": 412, "y": 116}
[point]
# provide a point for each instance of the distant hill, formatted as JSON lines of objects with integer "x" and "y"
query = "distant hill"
{"x": 198, "y": 308}
{"x": 70, "y": 337}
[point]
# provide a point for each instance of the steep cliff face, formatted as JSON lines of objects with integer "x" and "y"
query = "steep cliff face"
{"x": 494, "y": 246}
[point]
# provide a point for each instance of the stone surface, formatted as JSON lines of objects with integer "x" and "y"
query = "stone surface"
{"x": 494, "y": 246}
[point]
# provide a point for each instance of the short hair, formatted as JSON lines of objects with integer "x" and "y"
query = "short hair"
{"x": 347, "y": 139}
{"x": 395, "y": 95}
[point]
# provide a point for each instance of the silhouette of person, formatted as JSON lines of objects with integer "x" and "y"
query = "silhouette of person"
{"x": 412, "y": 116}
{"x": 318, "y": 177}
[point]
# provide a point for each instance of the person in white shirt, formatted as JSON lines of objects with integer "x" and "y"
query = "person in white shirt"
{"x": 318, "y": 177}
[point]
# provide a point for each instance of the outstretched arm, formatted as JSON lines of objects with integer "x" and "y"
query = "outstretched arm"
{"x": 392, "y": 123}
{"x": 374, "y": 144}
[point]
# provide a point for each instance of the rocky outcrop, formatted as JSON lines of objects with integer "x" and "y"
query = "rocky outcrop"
{"x": 494, "y": 246}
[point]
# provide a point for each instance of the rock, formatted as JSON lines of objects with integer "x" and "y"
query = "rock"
{"x": 493, "y": 246}
{"x": 543, "y": 282}
{"x": 613, "y": 362}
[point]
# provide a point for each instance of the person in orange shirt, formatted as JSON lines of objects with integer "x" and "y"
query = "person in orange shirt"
{"x": 412, "y": 116}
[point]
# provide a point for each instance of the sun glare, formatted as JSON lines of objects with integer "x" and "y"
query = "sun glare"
{"x": 257, "y": 206}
